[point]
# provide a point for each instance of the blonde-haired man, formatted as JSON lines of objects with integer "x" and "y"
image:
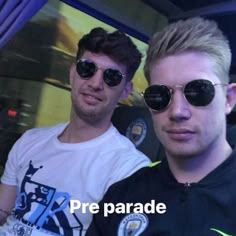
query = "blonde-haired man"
{"x": 189, "y": 96}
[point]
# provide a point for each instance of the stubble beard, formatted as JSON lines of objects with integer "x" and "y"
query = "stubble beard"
{"x": 90, "y": 116}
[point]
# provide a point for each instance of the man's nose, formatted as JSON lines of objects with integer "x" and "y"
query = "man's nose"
{"x": 179, "y": 108}
{"x": 96, "y": 81}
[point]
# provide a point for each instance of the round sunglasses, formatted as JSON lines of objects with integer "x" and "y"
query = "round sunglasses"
{"x": 87, "y": 68}
{"x": 198, "y": 93}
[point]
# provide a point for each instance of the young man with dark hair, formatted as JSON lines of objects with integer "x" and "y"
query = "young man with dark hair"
{"x": 78, "y": 160}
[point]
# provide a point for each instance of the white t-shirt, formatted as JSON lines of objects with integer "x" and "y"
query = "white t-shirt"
{"x": 48, "y": 174}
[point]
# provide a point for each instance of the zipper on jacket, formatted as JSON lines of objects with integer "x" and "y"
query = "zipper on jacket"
{"x": 184, "y": 198}
{"x": 184, "y": 194}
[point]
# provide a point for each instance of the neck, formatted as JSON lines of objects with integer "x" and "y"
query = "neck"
{"x": 193, "y": 169}
{"x": 80, "y": 131}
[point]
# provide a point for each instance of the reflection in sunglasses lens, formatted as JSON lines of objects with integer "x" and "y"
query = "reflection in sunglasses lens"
{"x": 86, "y": 69}
{"x": 112, "y": 77}
{"x": 197, "y": 92}
{"x": 157, "y": 97}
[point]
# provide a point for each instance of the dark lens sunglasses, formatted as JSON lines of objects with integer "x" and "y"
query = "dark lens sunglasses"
{"x": 198, "y": 93}
{"x": 86, "y": 69}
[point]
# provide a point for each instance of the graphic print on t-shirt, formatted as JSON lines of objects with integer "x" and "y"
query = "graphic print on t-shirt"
{"x": 43, "y": 207}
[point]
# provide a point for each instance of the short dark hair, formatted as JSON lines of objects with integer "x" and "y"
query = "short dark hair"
{"x": 117, "y": 45}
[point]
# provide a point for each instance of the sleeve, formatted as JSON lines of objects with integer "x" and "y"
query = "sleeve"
{"x": 11, "y": 168}
{"x": 134, "y": 161}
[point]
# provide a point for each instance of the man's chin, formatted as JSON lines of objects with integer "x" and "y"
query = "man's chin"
{"x": 182, "y": 153}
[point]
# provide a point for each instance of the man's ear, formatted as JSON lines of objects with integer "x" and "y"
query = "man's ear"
{"x": 127, "y": 90}
{"x": 72, "y": 73}
{"x": 230, "y": 98}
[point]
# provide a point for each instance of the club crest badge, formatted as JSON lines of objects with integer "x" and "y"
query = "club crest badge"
{"x": 133, "y": 225}
{"x": 137, "y": 131}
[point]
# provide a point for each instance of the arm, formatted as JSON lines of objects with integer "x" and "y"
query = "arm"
{"x": 7, "y": 201}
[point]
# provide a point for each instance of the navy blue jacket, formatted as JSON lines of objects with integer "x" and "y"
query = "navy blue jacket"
{"x": 206, "y": 208}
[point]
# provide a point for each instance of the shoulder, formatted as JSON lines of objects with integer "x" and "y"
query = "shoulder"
{"x": 142, "y": 181}
{"x": 120, "y": 139}
{"x": 141, "y": 176}
{"x": 40, "y": 134}
{"x": 121, "y": 157}
{"x": 122, "y": 143}
{"x": 44, "y": 131}
{"x": 116, "y": 148}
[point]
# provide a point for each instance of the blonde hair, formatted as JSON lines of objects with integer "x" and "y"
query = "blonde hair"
{"x": 193, "y": 34}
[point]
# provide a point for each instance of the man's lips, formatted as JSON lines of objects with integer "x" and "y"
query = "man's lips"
{"x": 180, "y": 133}
{"x": 179, "y": 130}
{"x": 92, "y": 97}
